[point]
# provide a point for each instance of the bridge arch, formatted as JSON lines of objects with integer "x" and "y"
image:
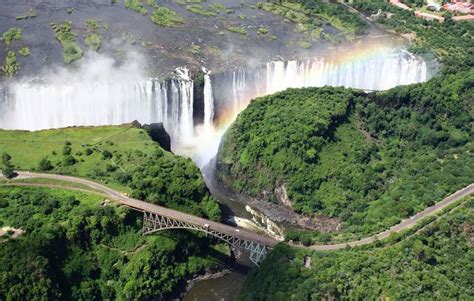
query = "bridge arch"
{"x": 153, "y": 222}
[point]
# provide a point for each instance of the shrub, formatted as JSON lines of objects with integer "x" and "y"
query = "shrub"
{"x": 93, "y": 42}
{"x": 45, "y": 164}
{"x": 106, "y": 155}
{"x": 11, "y": 65}
{"x": 14, "y": 33}
{"x": 25, "y": 51}
{"x": 163, "y": 16}
{"x": 69, "y": 160}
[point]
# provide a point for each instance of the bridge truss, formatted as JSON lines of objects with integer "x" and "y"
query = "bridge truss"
{"x": 153, "y": 222}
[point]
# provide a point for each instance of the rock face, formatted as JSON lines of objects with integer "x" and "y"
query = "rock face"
{"x": 158, "y": 133}
{"x": 198, "y": 93}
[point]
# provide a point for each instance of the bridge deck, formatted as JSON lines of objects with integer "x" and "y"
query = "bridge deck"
{"x": 148, "y": 207}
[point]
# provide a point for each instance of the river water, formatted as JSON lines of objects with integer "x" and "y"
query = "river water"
{"x": 221, "y": 289}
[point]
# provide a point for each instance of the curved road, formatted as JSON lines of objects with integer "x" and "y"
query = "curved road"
{"x": 237, "y": 232}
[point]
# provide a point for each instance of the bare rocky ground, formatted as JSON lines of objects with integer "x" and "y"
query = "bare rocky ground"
{"x": 201, "y": 41}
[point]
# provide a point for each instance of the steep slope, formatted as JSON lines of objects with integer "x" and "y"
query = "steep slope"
{"x": 75, "y": 246}
{"x": 368, "y": 160}
{"x": 124, "y": 157}
{"x": 435, "y": 263}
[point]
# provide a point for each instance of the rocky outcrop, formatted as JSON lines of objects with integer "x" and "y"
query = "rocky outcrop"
{"x": 158, "y": 134}
{"x": 282, "y": 195}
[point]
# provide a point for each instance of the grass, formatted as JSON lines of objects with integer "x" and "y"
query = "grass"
{"x": 136, "y": 6}
{"x": 239, "y": 30}
{"x": 93, "y": 41}
{"x": 200, "y": 10}
{"x": 305, "y": 45}
{"x": 12, "y": 34}
{"x": 11, "y": 65}
{"x": 68, "y": 40}
{"x": 92, "y": 25}
{"x": 184, "y": 2}
{"x": 218, "y": 7}
{"x": 25, "y": 51}
{"x": 87, "y": 146}
{"x": 44, "y": 181}
{"x": 195, "y": 49}
{"x": 263, "y": 30}
{"x": 163, "y": 16}
{"x": 293, "y": 13}
{"x": 29, "y": 15}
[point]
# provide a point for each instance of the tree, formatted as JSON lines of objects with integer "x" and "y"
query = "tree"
{"x": 106, "y": 155}
{"x": 69, "y": 160}
{"x": 6, "y": 159}
{"x": 8, "y": 171}
{"x": 45, "y": 164}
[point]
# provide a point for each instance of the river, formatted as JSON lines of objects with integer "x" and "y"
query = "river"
{"x": 224, "y": 288}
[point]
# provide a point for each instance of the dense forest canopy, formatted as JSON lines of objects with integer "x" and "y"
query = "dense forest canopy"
{"x": 123, "y": 157}
{"x": 74, "y": 247}
{"x": 449, "y": 42}
{"x": 434, "y": 263}
{"x": 79, "y": 246}
{"x": 369, "y": 159}
{"x": 397, "y": 152}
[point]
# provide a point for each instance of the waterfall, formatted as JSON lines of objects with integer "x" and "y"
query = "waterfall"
{"x": 208, "y": 99}
{"x": 32, "y": 105}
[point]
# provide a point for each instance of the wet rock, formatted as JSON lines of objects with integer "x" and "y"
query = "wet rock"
{"x": 158, "y": 133}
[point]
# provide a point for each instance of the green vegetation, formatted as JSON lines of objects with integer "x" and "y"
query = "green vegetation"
{"x": 184, "y": 2}
{"x": 199, "y": 9}
{"x": 93, "y": 41}
{"x": 67, "y": 38}
{"x": 305, "y": 23}
{"x": 195, "y": 49}
{"x": 263, "y": 30}
{"x": 136, "y": 6}
{"x": 12, "y": 34}
{"x": 163, "y": 16}
{"x": 348, "y": 22}
{"x": 93, "y": 38}
{"x": 25, "y": 51}
{"x": 450, "y": 42}
{"x": 435, "y": 263}
{"x": 305, "y": 45}
{"x": 311, "y": 14}
{"x": 218, "y": 7}
{"x": 239, "y": 30}
{"x": 75, "y": 248}
{"x": 7, "y": 167}
{"x": 123, "y": 157}
{"x": 30, "y": 15}
{"x": 92, "y": 25}
{"x": 11, "y": 65}
{"x": 368, "y": 160}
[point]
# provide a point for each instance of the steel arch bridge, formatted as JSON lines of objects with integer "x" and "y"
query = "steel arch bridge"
{"x": 153, "y": 222}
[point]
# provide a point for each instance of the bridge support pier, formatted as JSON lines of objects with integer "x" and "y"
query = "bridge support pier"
{"x": 153, "y": 222}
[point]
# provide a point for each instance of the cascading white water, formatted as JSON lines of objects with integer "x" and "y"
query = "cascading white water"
{"x": 34, "y": 106}
{"x": 378, "y": 72}
{"x": 208, "y": 99}
{"x": 85, "y": 101}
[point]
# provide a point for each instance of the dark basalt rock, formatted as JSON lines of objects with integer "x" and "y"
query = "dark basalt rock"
{"x": 198, "y": 93}
{"x": 159, "y": 134}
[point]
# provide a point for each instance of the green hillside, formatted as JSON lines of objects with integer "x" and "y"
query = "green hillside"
{"x": 434, "y": 264}
{"x": 123, "y": 157}
{"x": 73, "y": 247}
{"x": 368, "y": 160}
